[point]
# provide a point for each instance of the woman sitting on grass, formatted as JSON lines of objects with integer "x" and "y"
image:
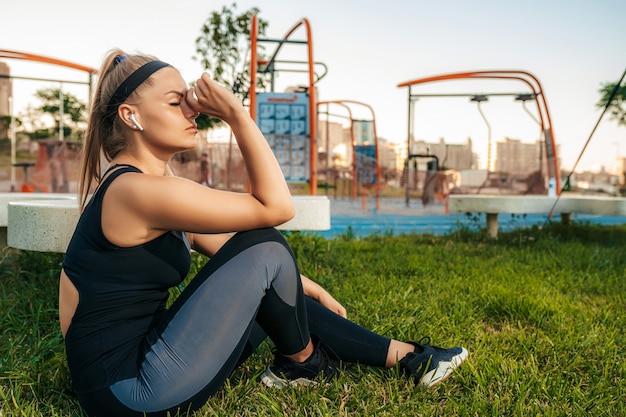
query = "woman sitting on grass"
{"x": 131, "y": 356}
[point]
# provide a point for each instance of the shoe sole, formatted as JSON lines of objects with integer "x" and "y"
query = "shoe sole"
{"x": 270, "y": 379}
{"x": 443, "y": 370}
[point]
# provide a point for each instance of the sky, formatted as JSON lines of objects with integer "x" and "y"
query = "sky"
{"x": 369, "y": 47}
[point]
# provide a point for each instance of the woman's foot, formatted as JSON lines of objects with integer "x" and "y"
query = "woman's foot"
{"x": 285, "y": 372}
{"x": 430, "y": 365}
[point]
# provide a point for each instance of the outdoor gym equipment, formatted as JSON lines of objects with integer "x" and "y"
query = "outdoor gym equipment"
{"x": 537, "y": 95}
{"x": 287, "y": 120}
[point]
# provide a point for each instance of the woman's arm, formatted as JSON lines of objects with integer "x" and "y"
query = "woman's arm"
{"x": 208, "y": 244}
{"x": 161, "y": 203}
{"x": 267, "y": 183}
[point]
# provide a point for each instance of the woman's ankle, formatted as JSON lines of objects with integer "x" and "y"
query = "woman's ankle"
{"x": 397, "y": 351}
{"x": 304, "y": 354}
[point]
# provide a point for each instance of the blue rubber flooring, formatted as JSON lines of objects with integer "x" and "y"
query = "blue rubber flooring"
{"x": 394, "y": 218}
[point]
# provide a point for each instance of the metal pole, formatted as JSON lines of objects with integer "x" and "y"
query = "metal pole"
{"x": 479, "y": 98}
{"x": 327, "y": 146}
{"x": 489, "y": 151}
{"x": 408, "y": 152}
{"x": 13, "y": 144}
{"x": 60, "y": 112}
{"x": 524, "y": 98}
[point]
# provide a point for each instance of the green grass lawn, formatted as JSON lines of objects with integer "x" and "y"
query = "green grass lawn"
{"x": 542, "y": 312}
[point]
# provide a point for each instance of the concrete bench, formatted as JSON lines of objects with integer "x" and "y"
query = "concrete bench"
{"x": 6, "y": 198}
{"x": 48, "y": 225}
{"x": 492, "y": 205}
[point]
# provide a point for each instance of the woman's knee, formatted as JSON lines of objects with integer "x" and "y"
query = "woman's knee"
{"x": 256, "y": 236}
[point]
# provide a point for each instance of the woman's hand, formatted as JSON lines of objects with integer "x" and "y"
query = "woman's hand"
{"x": 268, "y": 202}
{"x": 316, "y": 292}
{"x": 211, "y": 98}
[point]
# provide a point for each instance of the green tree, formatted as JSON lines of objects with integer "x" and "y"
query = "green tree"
{"x": 74, "y": 112}
{"x": 223, "y": 50}
{"x": 617, "y": 106}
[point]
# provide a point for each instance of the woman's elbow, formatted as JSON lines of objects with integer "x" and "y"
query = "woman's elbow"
{"x": 278, "y": 212}
{"x": 281, "y": 213}
{"x": 286, "y": 213}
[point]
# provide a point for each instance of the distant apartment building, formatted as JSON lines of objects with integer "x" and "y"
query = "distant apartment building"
{"x": 391, "y": 161}
{"x": 333, "y": 145}
{"x": 516, "y": 157}
{"x": 457, "y": 157}
{"x": 390, "y": 155}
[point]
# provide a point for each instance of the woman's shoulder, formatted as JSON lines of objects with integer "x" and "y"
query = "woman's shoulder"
{"x": 152, "y": 192}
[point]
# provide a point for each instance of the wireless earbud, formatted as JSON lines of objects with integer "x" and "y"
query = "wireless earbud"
{"x": 135, "y": 122}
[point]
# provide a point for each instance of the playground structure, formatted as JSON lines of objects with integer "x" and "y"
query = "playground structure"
{"x": 290, "y": 120}
{"x": 286, "y": 119}
{"x": 50, "y": 170}
{"x": 536, "y": 94}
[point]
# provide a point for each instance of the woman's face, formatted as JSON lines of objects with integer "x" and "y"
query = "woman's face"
{"x": 161, "y": 110}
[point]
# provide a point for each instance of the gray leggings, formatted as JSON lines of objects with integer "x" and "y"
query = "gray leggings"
{"x": 249, "y": 289}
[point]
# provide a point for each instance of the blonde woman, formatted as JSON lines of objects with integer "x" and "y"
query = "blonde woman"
{"x": 131, "y": 356}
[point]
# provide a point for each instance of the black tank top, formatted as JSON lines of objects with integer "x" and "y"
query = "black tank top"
{"x": 121, "y": 291}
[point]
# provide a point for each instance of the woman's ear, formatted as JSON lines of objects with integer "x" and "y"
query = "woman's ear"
{"x": 126, "y": 113}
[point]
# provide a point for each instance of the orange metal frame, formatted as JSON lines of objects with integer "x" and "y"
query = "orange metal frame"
{"x": 524, "y": 76}
{"x": 345, "y": 104}
{"x": 5, "y": 53}
{"x": 254, "y": 65}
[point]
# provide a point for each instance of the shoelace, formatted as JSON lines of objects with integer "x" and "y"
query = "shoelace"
{"x": 426, "y": 341}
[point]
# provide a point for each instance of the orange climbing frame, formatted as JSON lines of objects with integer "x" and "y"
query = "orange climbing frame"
{"x": 524, "y": 76}
{"x": 254, "y": 65}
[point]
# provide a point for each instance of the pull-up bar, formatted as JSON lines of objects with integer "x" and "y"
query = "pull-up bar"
{"x": 417, "y": 96}
{"x": 536, "y": 94}
{"x": 50, "y": 80}
{"x": 270, "y": 67}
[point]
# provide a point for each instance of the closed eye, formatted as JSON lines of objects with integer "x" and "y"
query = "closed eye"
{"x": 176, "y": 97}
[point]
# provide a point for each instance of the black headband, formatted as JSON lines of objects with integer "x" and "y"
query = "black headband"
{"x": 131, "y": 83}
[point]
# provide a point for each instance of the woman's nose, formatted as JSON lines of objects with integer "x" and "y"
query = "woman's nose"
{"x": 188, "y": 112}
